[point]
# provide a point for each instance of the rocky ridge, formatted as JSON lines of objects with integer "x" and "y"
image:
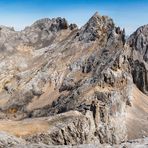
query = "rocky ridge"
{"x": 138, "y": 57}
{"x": 77, "y": 85}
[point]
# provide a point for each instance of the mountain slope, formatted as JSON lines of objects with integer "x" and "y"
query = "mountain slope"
{"x": 137, "y": 115}
{"x": 77, "y": 80}
{"x": 138, "y": 57}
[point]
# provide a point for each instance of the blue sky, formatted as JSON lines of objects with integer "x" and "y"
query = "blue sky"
{"x": 129, "y": 14}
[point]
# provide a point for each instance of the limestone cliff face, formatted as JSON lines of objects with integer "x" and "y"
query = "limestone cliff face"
{"x": 85, "y": 75}
{"x": 138, "y": 57}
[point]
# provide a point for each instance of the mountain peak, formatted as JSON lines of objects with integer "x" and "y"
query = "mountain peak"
{"x": 96, "y": 27}
{"x": 73, "y": 86}
{"x": 53, "y": 24}
{"x": 96, "y": 14}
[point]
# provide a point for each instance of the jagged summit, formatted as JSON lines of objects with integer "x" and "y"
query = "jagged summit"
{"x": 139, "y": 40}
{"x": 99, "y": 18}
{"x": 142, "y": 29}
{"x": 138, "y": 43}
{"x": 67, "y": 86}
{"x": 96, "y": 14}
{"x": 101, "y": 29}
{"x": 98, "y": 27}
{"x": 54, "y": 24}
{"x": 43, "y": 20}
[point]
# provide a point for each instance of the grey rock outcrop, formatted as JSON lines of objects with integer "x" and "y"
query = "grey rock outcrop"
{"x": 9, "y": 140}
{"x": 77, "y": 82}
{"x": 138, "y": 57}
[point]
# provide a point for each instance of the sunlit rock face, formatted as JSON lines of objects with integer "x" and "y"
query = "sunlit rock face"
{"x": 138, "y": 43}
{"x": 66, "y": 85}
